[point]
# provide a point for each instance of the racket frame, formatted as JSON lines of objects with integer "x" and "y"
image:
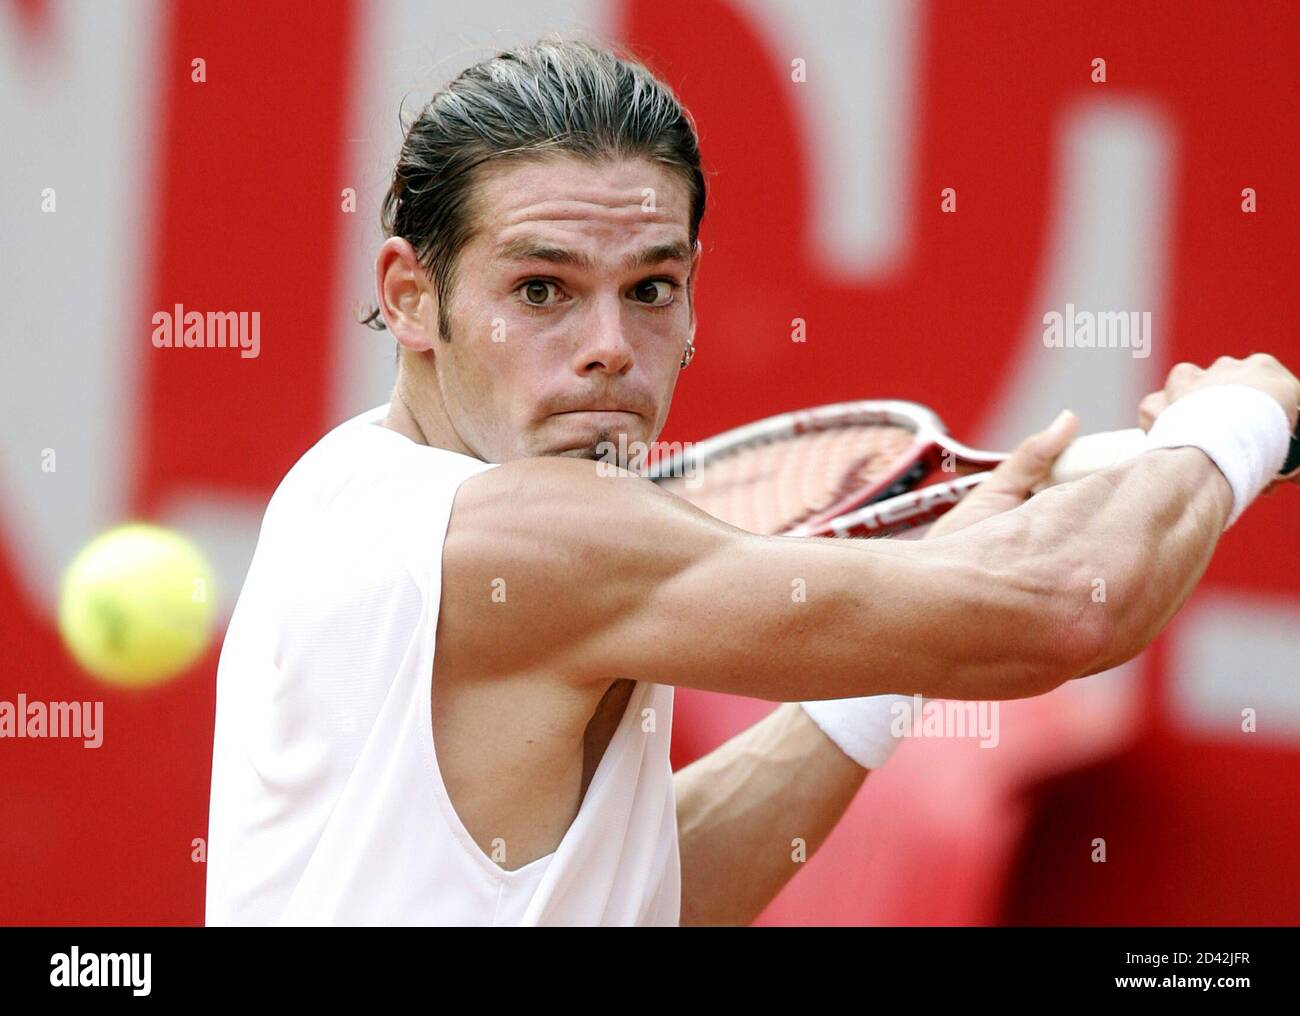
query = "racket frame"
{"x": 850, "y": 514}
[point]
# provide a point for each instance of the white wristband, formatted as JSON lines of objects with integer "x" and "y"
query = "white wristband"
{"x": 1242, "y": 429}
{"x": 866, "y": 729}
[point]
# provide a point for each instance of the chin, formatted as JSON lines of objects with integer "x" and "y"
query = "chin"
{"x": 597, "y": 448}
{"x": 578, "y": 453}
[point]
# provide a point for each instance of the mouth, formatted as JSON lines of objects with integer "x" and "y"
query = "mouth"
{"x": 596, "y": 412}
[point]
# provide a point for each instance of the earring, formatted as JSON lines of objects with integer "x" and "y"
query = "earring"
{"x": 689, "y": 355}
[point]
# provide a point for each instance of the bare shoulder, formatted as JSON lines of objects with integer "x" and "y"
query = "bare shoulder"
{"x": 542, "y": 508}
{"x": 542, "y": 554}
{"x": 557, "y": 483}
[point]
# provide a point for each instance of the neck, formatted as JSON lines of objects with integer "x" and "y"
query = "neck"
{"x": 415, "y": 410}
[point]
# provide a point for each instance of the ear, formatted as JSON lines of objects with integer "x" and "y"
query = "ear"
{"x": 405, "y": 295}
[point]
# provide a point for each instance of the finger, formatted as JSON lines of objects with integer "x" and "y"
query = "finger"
{"x": 1031, "y": 463}
{"x": 1183, "y": 374}
{"x": 1151, "y": 407}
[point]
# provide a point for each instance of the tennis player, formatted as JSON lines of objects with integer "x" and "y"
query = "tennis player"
{"x": 446, "y": 693}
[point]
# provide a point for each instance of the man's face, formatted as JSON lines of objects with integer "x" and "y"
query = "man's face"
{"x": 571, "y": 309}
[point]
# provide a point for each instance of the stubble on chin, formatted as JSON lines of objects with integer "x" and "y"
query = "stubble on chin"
{"x": 598, "y": 449}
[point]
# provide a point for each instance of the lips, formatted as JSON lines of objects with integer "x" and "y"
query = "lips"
{"x": 596, "y": 409}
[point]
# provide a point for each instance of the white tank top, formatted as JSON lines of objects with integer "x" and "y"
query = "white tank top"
{"x": 327, "y": 805}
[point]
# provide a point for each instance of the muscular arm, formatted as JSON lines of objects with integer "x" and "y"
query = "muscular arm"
{"x": 608, "y": 577}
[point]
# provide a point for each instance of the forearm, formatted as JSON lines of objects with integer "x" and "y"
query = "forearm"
{"x": 1126, "y": 547}
{"x": 1077, "y": 580}
{"x": 1172, "y": 543}
{"x": 751, "y": 811}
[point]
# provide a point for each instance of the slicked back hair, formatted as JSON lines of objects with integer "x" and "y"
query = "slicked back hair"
{"x": 548, "y": 98}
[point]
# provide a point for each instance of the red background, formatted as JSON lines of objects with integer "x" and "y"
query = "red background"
{"x": 247, "y": 172}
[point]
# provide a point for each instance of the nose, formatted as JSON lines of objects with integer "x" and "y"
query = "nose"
{"x": 603, "y": 347}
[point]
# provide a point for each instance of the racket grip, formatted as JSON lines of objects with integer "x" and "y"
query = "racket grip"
{"x": 1292, "y": 462}
{"x": 1094, "y": 452}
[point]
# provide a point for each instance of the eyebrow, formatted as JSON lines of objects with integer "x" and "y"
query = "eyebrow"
{"x": 531, "y": 249}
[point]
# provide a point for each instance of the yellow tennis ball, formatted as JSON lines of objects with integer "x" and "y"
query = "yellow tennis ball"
{"x": 137, "y": 605}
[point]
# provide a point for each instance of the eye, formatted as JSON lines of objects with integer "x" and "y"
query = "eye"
{"x": 654, "y": 292}
{"x": 535, "y": 291}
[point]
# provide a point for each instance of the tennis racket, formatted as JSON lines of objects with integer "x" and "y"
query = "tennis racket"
{"x": 866, "y": 468}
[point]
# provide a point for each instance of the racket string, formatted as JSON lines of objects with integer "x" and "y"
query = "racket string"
{"x": 768, "y": 487}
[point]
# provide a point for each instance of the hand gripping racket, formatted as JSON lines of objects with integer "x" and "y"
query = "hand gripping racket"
{"x": 867, "y": 468}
